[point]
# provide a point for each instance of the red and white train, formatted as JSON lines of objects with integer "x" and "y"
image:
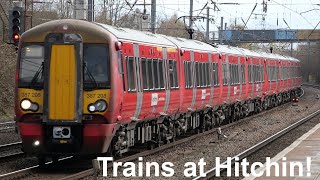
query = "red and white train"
{"x": 151, "y": 87}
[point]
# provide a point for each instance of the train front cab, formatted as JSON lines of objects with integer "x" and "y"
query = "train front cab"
{"x": 63, "y": 94}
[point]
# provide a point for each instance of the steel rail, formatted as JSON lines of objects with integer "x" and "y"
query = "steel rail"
{"x": 6, "y": 148}
{"x": 6, "y": 123}
{"x": 10, "y": 144}
{"x": 29, "y": 170}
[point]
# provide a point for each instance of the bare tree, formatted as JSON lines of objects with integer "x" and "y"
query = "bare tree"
{"x": 172, "y": 27}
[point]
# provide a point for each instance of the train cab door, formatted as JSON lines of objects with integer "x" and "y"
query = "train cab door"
{"x": 63, "y": 78}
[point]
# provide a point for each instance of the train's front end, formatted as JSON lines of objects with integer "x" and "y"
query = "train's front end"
{"x": 63, "y": 89}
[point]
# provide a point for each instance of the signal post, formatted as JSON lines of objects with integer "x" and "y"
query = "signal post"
{"x": 16, "y": 23}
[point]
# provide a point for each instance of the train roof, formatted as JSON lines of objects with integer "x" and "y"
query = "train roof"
{"x": 191, "y": 44}
{"x": 150, "y": 38}
{"x": 135, "y": 35}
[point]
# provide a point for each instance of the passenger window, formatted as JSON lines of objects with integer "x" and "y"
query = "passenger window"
{"x": 173, "y": 74}
{"x": 161, "y": 74}
{"x": 130, "y": 74}
{"x": 144, "y": 73}
{"x": 156, "y": 73}
{"x": 150, "y": 74}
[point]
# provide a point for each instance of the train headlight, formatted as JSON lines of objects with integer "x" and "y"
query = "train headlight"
{"x": 98, "y": 106}
{"x": 92, "y": 108}
{"x": 27, "y": 105}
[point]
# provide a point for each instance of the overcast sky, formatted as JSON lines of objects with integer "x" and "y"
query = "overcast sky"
{"x": 278, "y": 11}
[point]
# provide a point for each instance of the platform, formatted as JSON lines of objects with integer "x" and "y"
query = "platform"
{"x": 307, "y": 145}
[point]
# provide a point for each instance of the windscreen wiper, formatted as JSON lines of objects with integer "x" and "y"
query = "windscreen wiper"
{"x": 36, "y": 76}
{"x": 93, "y": 81}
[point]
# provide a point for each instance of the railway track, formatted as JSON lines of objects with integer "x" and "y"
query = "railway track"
{"x": 5, "y": 126}
{"x": 10, "y": 150}
{"x": 212, "y": 172}
{"x": 91, "y": 171}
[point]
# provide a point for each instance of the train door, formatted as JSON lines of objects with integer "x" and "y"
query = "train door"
{"x": 166, "y": 80}
{"x": 226, "y": 79}
{"x": 137, "y": 66}
{"x": 211, "y": 79}
{"x": 63, "y": 78}
{"x": 194, "y": 83}
{"x": 251, "y": 78}
{"x": 186, "y": 96}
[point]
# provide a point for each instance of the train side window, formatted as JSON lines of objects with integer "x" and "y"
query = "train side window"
{"x": 196, "y": 79}
{"x": 285, "y": 72}
{"x": 130, "y": 74}
{"x": 176, "y": 80}
{"x": 262, "y": 73}
{"x": 208, "y": 73}
{"x": 150, "y": 74}
{"x": 275, "y": 73}
{"x": 224, "y": 74}
{"x": 215, "y": 74}
{"x": 171, "y": 74}
{"x": 232, "y": 78}
{"x": 271, "y": 73}
{"x": 155, "y": 64}
{"x": 186, "y": 74}
{"x": 268, "y": 73}
{"x": 161, "y": 74}
{"x": 192, "y": 74}
{"x": 120, "y": 68}
{"x": 243, "y": 78}
{"x": 259, "y": 73}
{"x": 190, "y": 70}
{"x": 144, "y": 73}
{"x": 238, "y": 75}
{"x": 250, "y": 73}
{"x": 255, "y": 76}
{"x": 236, "y": 81}
{"x": 234, "y": 74}
{"x": 206, "y": 82}
{"x": 201, "y": 74}
{"x": 231, "y": 74}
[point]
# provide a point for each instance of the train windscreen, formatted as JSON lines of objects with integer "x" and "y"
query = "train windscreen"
{"x": 96, "y": 66}
{"x": 31, "y": 66}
